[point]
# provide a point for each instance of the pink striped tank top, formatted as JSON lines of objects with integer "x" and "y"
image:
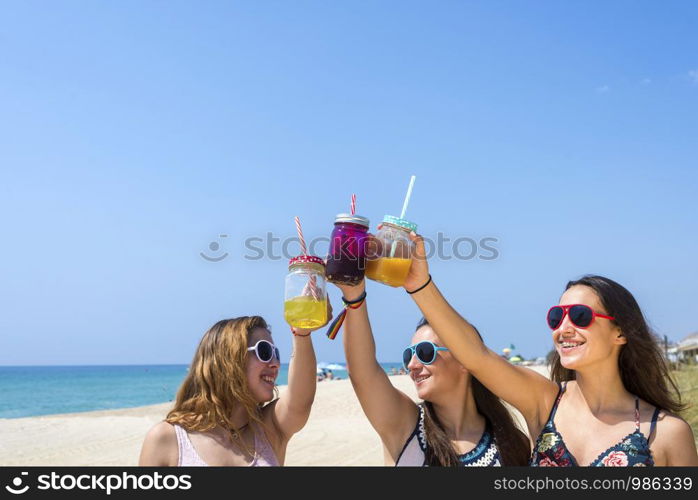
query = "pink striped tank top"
{"x": 188, "y": 457}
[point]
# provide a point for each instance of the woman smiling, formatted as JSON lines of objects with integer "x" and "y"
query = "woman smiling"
{"x": 610, "y": 396}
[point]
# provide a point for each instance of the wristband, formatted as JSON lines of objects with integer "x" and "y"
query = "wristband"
{"x": 421, "y": 287}
{"x": 333, "y": 330}
{"x": 299, "y": 335}
{"x": 350, "y": 303}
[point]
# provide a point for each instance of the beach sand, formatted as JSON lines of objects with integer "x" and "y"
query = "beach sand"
{"x": 337, "y": 433}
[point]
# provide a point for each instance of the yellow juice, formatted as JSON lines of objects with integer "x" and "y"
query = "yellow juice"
{"x": 305, "y": 312}
{"x": 390, "y": 271}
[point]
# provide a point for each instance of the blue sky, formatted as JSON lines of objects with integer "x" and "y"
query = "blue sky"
{"x": 135, "y": 133}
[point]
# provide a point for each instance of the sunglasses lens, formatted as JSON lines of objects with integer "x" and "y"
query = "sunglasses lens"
{"x": 425, "y": 352}
{"x": 277, "y": 353}
{"x": 555, "y": 317}
{"x": 406, "y": 357}
{"x": 264, "y": 351}
{"x": 581, "y": 315}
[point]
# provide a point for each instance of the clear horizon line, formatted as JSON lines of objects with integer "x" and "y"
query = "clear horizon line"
{"x": 153, "y": 364}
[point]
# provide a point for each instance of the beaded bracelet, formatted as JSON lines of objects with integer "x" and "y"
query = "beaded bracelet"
{"x": 333, "y": 330}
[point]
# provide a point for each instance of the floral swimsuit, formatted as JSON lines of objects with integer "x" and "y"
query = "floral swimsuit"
{"x": 632, "y": 451}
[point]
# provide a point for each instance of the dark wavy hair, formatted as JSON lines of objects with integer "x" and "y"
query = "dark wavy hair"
{"x": 513, "y": 444}
{"x": 643, "y": 370}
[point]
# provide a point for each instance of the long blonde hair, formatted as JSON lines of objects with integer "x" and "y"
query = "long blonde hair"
{"x": 217, "y": 382}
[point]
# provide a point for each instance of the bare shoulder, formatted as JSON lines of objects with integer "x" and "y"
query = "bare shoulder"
{"x": 671, "y": 426}
{"x": 160, "y": 446}
{"x": 673, "y": 442}
{"x": 162, "y": 433}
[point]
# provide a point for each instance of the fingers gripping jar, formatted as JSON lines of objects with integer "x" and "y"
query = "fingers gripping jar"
{"x": 389, "y": 254}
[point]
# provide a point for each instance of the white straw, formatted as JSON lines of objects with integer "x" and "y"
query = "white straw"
{"x": 407, "y": 197}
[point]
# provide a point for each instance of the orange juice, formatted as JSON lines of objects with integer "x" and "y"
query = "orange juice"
{"x": 387, "y": 270}
{"x": 305, "y": 312}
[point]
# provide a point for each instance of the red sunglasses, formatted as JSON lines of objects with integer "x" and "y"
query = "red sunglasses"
{"x": 580, "y": 315}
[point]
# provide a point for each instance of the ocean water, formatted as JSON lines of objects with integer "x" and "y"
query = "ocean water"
{"x": 27, "y": 391}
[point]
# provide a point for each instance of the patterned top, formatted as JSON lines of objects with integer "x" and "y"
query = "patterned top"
{"x": 485, "y": 453}
{"x": 631, "y": 451}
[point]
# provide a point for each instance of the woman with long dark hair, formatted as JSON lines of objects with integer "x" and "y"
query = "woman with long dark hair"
{"x": 610, "y": 396}
{"x": 460, "y": 422}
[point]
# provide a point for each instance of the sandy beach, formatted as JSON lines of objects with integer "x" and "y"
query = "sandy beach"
{"x": 337, "y": 433}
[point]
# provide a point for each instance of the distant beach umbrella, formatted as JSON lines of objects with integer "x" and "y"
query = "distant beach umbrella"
{"x": 335, "y": 366}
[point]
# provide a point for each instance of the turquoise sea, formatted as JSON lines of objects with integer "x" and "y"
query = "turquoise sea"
{"x": 27, "y": 391}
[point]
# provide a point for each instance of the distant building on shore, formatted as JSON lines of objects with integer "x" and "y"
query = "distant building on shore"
{"x": 687, "y": 349}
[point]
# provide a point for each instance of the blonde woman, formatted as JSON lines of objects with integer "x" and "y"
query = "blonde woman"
{"x": 225, "y": 413}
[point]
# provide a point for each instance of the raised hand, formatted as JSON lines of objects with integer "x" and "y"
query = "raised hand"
{"x": 419, "y": 270}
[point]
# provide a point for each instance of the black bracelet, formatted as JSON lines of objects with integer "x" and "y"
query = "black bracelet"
{"x": 352, "y": 302}
{"x": 421, "y": 287}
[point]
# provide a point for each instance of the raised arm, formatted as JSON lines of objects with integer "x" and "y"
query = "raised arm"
{"x": 292, "y": 409}
{"x": 528, "y": 391}
{"x": 390, "y": 411}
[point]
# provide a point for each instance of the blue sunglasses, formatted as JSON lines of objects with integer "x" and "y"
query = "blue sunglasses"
{"x": 424, "y": 350}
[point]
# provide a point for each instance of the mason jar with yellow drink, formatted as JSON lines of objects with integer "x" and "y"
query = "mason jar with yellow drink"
{"x": 305, "y": 303}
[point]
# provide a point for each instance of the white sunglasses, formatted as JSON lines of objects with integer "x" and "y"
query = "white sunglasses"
{"x": 265, "y": 351}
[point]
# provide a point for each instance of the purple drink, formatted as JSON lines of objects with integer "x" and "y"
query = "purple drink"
{"x": 347, "y": 257}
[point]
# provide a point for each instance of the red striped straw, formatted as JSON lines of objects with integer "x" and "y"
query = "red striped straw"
{"x": 353, "y": 204}
{"x": 313, "y": 282}
{"x": 300, "y": 236}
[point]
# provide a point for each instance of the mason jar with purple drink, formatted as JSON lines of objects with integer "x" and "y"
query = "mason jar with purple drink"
{"x": 347, "y": 256}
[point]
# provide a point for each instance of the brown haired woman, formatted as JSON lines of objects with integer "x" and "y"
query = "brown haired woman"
{"x": 460, "y": 423}
{"x": 222, "y": 415}
{"x": 611, "y": 396}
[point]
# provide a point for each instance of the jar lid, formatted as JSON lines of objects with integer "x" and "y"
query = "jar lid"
{"x": 306, "y": 259}
{"x": 403, "y": 223}
{"x": 353, "y": 219}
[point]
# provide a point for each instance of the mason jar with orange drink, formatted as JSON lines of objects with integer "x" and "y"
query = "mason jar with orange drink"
{"x": 390, "y": 252}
